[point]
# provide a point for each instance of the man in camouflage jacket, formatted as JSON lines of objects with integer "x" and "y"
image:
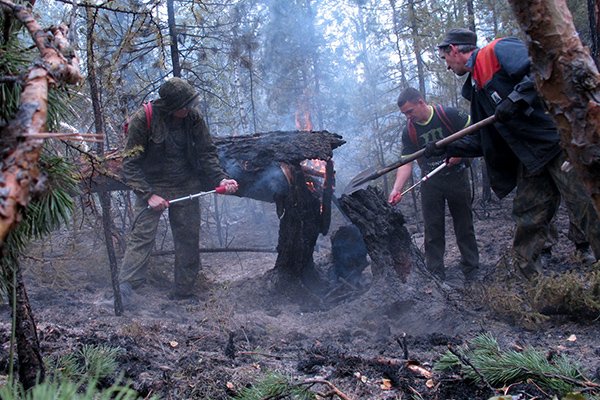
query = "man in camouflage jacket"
{"x": 173, "y": 158}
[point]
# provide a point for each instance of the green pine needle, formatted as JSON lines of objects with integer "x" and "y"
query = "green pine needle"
{"x": 500, "y": 368}
{"x": 274, "y": 386}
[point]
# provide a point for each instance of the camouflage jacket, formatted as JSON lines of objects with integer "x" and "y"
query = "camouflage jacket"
{"x": 172, "y": 155}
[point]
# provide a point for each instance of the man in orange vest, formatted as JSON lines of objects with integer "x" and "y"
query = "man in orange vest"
{"x": 522, "y": 148}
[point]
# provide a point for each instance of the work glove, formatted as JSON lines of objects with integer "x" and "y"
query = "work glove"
{"x": 432, "y": 151}
{"x": 508, "y": 109}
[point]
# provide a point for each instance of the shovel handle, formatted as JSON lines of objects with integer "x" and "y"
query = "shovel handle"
{"x": 417, "y": 154}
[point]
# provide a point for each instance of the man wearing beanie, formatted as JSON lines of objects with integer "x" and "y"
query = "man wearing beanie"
{"x": 521, "y": 149}
{"x": 168, "y": 155}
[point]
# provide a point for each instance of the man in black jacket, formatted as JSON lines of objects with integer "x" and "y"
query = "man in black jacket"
{"x": 522, "y": 148}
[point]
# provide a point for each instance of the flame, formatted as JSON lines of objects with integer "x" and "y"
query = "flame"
{"x": 303, "y": 116}
{"x": 314, "y": 170}
{"x": 303, "y": 120}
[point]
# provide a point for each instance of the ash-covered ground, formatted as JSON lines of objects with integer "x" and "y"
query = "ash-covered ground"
{"x": 240, "y": 329}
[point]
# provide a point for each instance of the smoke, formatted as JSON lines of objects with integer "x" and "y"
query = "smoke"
{"x": 264, "y": 184}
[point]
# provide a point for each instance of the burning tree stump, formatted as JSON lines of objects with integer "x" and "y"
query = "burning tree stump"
{"x": 271, "y": 167}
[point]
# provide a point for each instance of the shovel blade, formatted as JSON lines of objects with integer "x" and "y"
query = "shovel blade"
{"x": 361, "y": 180}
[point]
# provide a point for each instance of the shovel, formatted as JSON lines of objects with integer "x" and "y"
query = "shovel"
{"x": 372, "y": 173}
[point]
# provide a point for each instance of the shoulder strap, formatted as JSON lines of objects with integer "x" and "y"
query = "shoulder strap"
{"x": 148, "y": 111}
{"x": 444, "y": 118}
{"x": 412, "y": 132}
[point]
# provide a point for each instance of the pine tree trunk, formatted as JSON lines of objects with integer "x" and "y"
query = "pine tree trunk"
{"x": 568, "y": 80}
{"x": 173, "y": 43}
{"x": 31, "y": 365}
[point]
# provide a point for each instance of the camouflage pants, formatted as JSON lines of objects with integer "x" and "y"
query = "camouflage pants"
{"x": 536, "y": 202}
{"x": 184, "y": 218}
{"x": 453, "y": 189}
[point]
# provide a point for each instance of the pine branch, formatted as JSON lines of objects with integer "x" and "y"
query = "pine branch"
{"x": 482, "y": 360}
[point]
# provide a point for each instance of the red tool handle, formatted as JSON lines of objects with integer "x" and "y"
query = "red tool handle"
{"x": 221, "y": 189}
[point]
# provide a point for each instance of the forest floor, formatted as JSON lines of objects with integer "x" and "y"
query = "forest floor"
{"x": 239, "y": 331}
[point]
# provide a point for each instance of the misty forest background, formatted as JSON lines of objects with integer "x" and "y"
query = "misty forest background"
{"x": 270, "y": 65}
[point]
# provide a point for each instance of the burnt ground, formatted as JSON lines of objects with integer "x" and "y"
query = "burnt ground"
{"x": 240, "y": 329}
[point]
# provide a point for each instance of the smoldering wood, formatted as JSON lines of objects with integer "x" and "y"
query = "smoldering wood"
{"x": 393, "y": 256}
{"x": 401, "y": 289}
{"x": 256, "y": 161}
{"x": 267, "y": 168}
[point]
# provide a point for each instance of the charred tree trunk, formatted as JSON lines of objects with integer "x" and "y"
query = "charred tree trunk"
{"x": 299, "y": 229}
{"x": 267, "y": 167}
{"x": 402, "y": 289}
{"x": 31, "y": 365}
{"x": 393, "y": 256}
{"x": 568, "y": 80}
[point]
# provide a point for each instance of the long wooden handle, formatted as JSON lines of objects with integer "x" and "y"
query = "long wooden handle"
{"x": 440, "y": 143}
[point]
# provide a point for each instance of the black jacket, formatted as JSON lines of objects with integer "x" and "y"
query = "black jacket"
{"x": 500, "y": 70}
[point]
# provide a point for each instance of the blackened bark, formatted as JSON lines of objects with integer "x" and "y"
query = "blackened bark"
{"x": 393, "y": 256}
{"x": 328, "y": 188}
{"x": 259, "y": 162}
{"x": 402, "y": 289}
{"x": 291, "y": 147}
{"x": 31, "y": 365}
{"x": 299, "y": 229}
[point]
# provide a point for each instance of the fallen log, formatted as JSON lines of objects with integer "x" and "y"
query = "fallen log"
{"x": 219, "y": 250}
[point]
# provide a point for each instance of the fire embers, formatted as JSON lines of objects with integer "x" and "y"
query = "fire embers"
{"x": 349, "y": 255}
{"x": 319, "y": 176}
{"x": 314, "y": 171}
